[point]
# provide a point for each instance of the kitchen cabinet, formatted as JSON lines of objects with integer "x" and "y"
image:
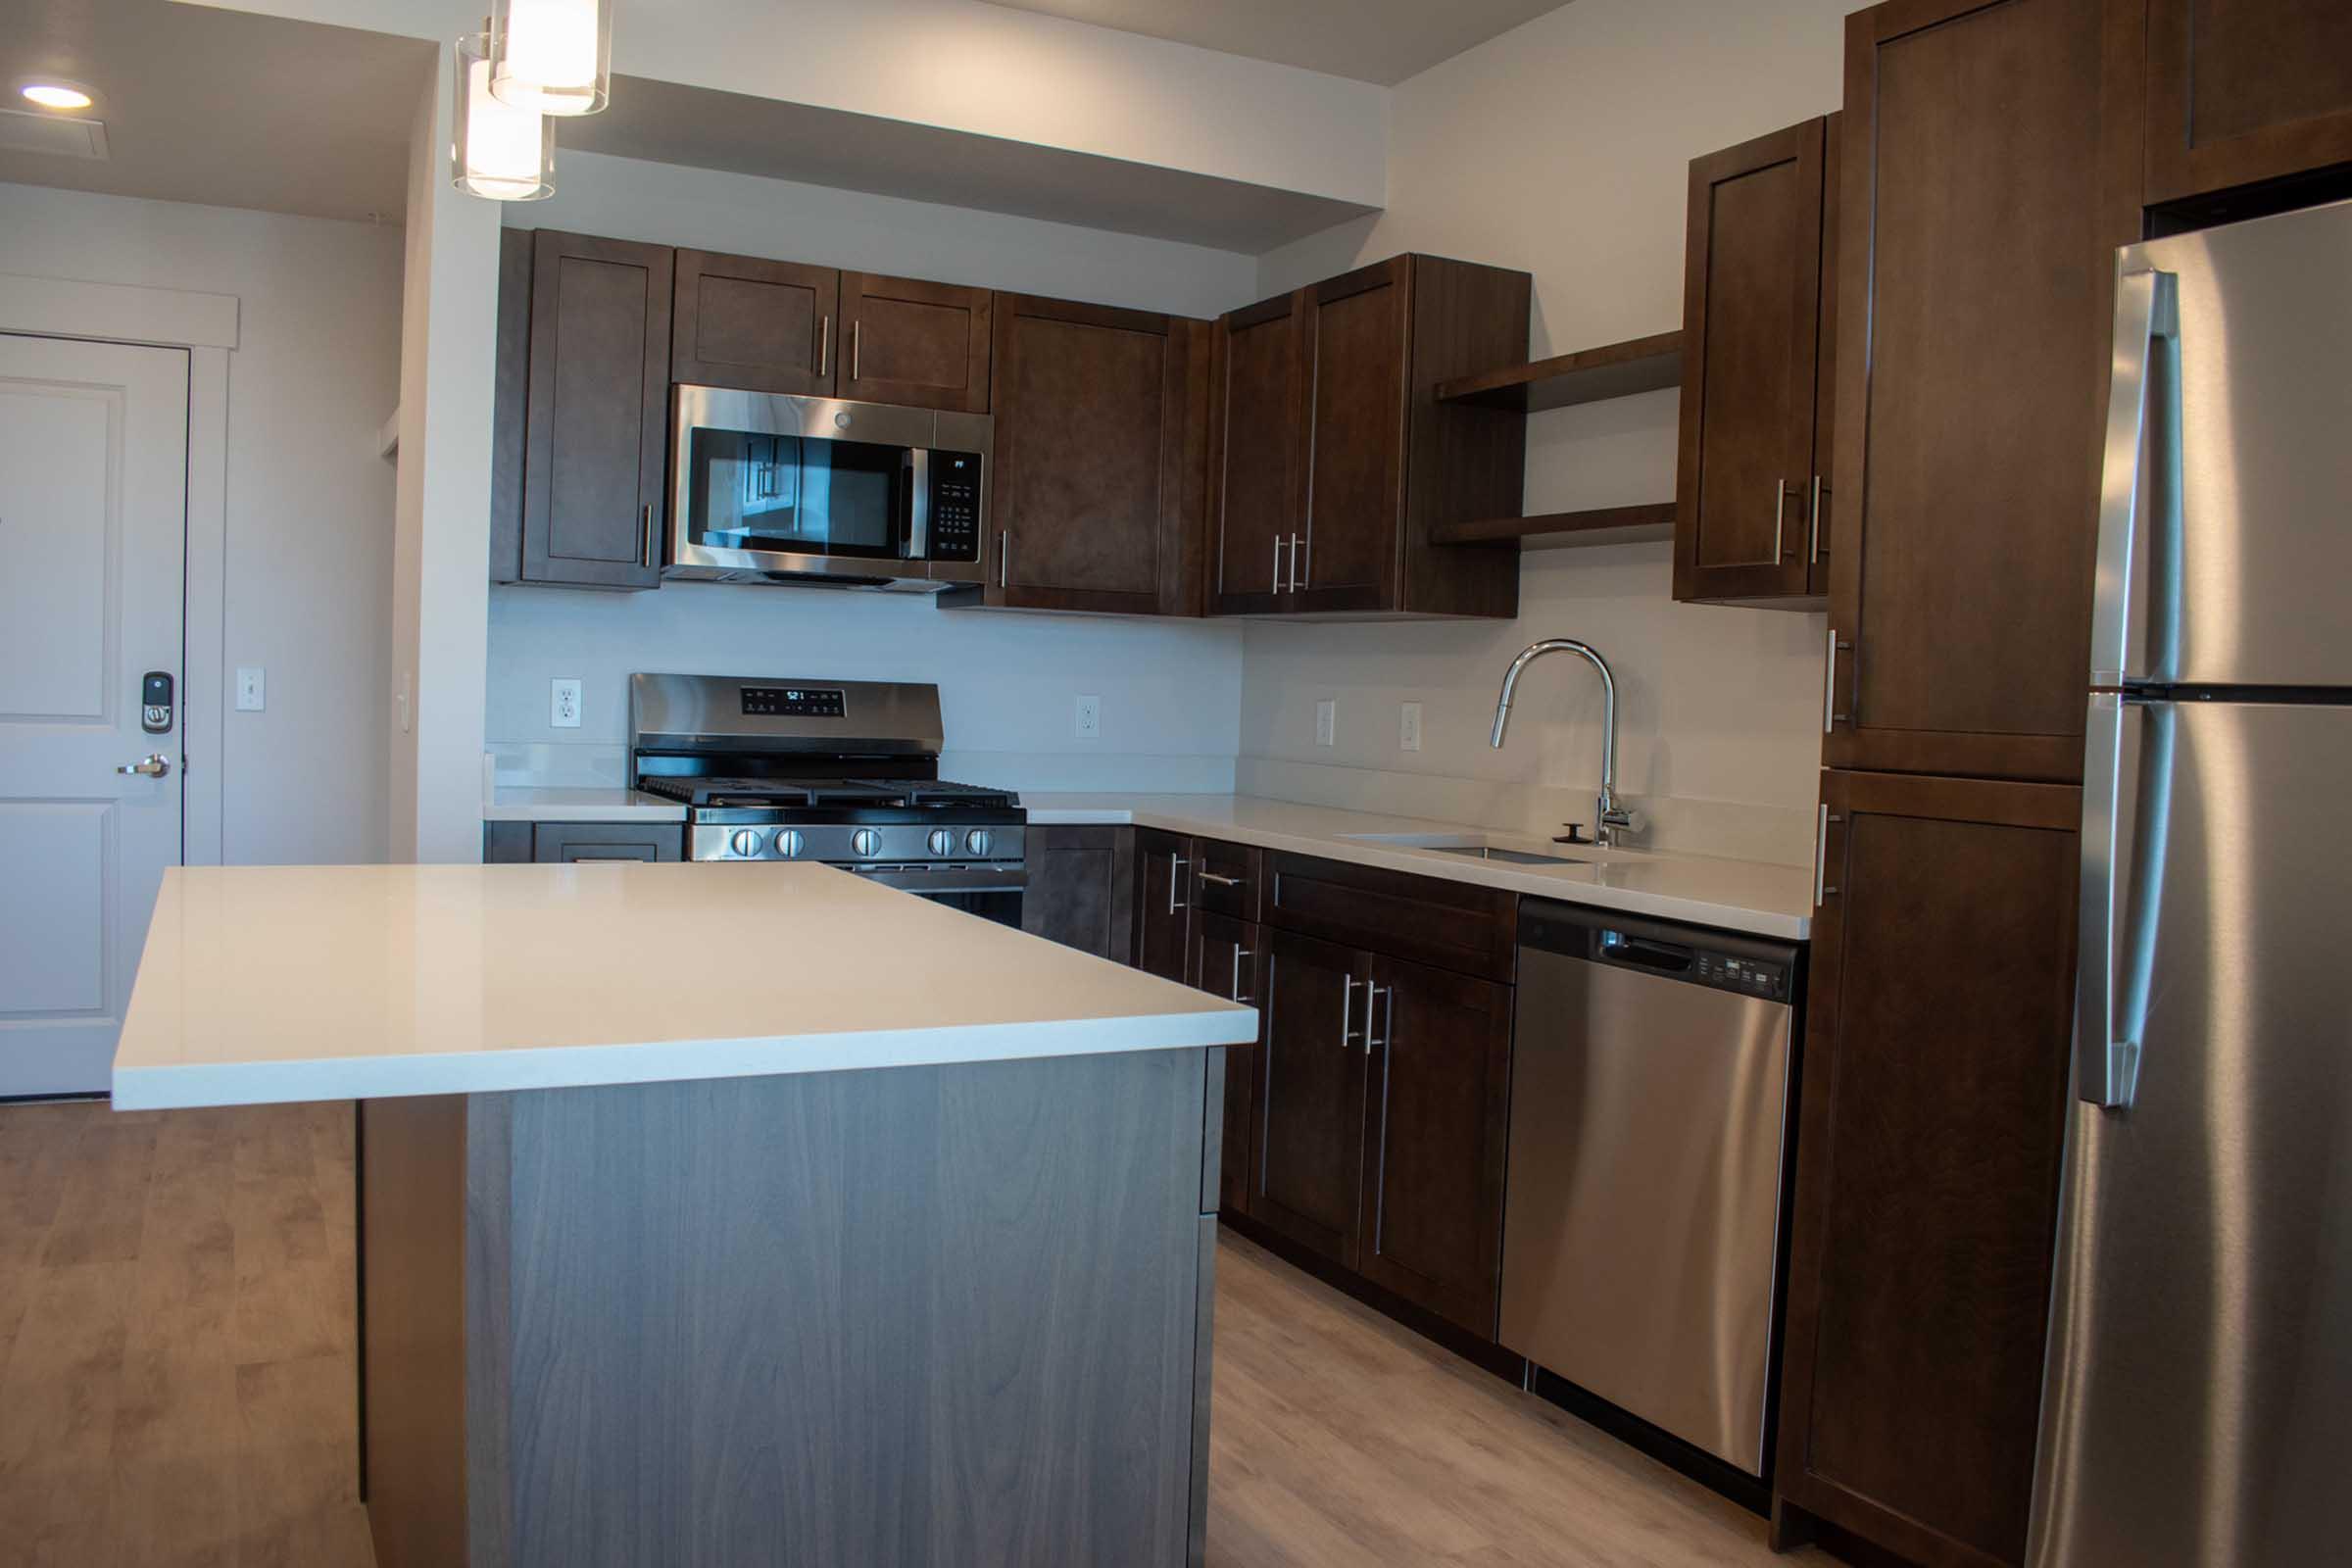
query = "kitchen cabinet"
{"x": 1164, "y": 902}
{"x": 1759, "y": 379}
{"x": 756, "y": 324}
{"x": 1080, "y": 888}
{"x": 907, "y": 341}
{"x": 1308, "y": 1181}
{"x": 594, "y": 428}
{"x": 1991, "y": 168}
{"x": 1927, "y": 1154}
{"x": 570, "y": 843}
{"x": 2240, "y": 91}
{"x": 1438, "y": 1050}
{"x": 1332, "y": 457}
{"x": 1096, "y": 493}
{"x": 1229, "y": 960}
{"x": 1447, "y": 925}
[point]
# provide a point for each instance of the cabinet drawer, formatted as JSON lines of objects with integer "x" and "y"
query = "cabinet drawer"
{"x": 570, "y": 842}
{"x": 1452, "y": 925}
{"x": 1227, "y": 878}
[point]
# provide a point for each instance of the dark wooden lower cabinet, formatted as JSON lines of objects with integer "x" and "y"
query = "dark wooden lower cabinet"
{"x": 1927, "y": 1163}
{"x": 1163, "y": 903}
{"x": 1229, "y": 960}
{"x": 1081, "y": 890}
{"x": 569, "y": 843}
{"x": 1310, "y": 1142}
{"x": 1439, "y": 1049}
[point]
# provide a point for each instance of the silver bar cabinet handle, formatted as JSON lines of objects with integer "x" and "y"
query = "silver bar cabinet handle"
{"x": 1813, "y": 545}
{"x": 1308, "y": 550}
{"x": 1277, "y": 588}
{"x": 1372, "y": 996}
{"x": 1004, "y": 558}
{"x": 1780, "y": 509}
{"x": 1822, "y": 891}
{"x": 645, "y": 539}
{"x": 824, "y": 345}
{"x": 1348, "y": 1031}
{"x": 1220, "y": 879}
{"x": 1176, "y": 863}
{"x": 856, "y": 347}
{"x": 1238, "y": 953}
{"x": 1829, "y": 716}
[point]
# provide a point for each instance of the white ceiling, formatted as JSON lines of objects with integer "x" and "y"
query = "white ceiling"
{"x": 1371, "y": 40}
{"x": 205, "y": 105}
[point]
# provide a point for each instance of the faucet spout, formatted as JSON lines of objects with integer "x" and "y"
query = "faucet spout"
{"x": 1613, "y": 819}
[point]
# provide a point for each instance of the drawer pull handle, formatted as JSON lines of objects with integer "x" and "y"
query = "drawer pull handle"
{"x": 1348, "y": 1033}
{"x": 1238, "y": 953}
{"x": 1220, "y": 879}
{"x": 1176, "y": 865}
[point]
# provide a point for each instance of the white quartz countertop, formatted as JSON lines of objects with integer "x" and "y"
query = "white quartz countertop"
{"x": 288, "y": 983}
{"x": 511, "y": 802}
{"x": 1751, "y": 895}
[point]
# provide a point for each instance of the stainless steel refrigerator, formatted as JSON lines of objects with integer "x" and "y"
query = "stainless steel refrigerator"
{"x": 2197, "y": 1407}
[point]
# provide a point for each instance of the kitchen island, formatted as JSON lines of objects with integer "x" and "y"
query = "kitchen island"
{"x": 710, "y": 1218}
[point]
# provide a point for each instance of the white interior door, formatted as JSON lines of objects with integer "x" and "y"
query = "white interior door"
{"x": 93, "y": 536}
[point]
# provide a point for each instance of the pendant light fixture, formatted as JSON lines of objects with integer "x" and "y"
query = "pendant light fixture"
{"x": 497, "y": 150}
{"x": 553, "y": 56}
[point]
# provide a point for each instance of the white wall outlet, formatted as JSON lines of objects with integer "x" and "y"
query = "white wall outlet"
{"x": 249, "y": 689}
{"x": 1327, "y": 722}
{"x": 1090, "y": 719}
{"x": 563, "y": 705}
{"x": 1408, "y": 727}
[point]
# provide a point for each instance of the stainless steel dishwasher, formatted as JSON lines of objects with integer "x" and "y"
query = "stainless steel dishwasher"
{"x": 1649, "y": 1117}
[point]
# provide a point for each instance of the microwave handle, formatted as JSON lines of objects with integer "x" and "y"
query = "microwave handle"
{"x": 914, "y": 539}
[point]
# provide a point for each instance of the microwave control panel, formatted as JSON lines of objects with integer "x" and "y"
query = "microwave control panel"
{"x": 954, "y": 506}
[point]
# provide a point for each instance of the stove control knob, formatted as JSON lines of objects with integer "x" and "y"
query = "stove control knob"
{"x": 745, "y": 841}
{"x": 943, "y": 841}
{"x": 977, "y": 841}
{"x": 789, "y": 843}
{"x": 864, "y": 842}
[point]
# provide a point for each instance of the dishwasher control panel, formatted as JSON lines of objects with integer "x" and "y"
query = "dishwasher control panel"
{"x": 1756, "y": 977}
{"x": 1719, "y": 960}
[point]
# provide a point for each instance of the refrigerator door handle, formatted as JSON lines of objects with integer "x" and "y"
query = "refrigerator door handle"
{"x": 2122, "y": 889}
{"x": 2147, "y": 363}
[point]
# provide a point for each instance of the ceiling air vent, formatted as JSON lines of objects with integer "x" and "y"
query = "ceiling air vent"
{"x": 30, "y": 131}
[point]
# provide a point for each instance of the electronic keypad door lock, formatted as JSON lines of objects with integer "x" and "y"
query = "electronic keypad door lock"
{"x": 155, "y": 702}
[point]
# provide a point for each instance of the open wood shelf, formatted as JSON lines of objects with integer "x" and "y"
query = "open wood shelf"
{"x": 1589, "y": 376}
{"x": 1563, "y": 531}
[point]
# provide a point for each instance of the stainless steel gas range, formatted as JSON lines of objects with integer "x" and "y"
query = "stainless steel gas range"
{"x": 841, "y": 773}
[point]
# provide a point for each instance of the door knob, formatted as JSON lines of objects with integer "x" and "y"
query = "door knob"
{"x": 155, "y": 764}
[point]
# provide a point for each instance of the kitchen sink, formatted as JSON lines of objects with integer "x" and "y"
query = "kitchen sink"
{"x": 1495, "y": 851}
{"x": 1477, "y": 845}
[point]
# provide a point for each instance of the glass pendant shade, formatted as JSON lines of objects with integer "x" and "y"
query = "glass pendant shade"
{"x": 553, "y": 56}
{"x": 497, "y": 150}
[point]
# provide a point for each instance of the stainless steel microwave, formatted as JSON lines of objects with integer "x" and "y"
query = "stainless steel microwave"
{"x": 769, "y": 488}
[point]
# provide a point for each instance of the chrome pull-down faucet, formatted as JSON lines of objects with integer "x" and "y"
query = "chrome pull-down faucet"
{"x": 1613, "y": 820}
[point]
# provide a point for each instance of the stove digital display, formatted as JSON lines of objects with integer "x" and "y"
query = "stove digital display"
{"x": 793, "y": 702}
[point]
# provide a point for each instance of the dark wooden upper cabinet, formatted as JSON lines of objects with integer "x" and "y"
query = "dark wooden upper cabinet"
{"x": 907, "y": 341}
{"x": 596, "y": 422}
{"x": 1756, "y": 380}
{"x": 1990, "y": 169}
{"x": 1929, "y": 1147}
{"x": 1439, "y": 1049}
{"x": 2242, "y": 91}
{"x": 1308, "y": 1171}
{"x": 754, "y": 324}
{"x": 1096, "y": 493}
{"x": 1258, "y": 452}
{"x": 1332, "y": 457}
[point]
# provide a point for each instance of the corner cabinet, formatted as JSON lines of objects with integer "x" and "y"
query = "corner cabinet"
{"x": 1331, "y": 457}
{"x": 1759, "y": 356}
{"x": 1095, "y": 498}
{"x": 2246, "y": 91}
{"x": 582, "y": 421}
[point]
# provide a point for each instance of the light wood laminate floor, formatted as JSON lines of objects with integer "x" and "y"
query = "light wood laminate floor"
{"x": 176, "y": 1311}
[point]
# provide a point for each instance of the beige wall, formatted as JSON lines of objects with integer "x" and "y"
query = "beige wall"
{"x": 1562, "y": 147}
{"x": 309, "y": 498}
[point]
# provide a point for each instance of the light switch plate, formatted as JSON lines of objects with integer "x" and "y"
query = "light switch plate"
{"x": 564, "y": 703}
{"x": 1327, "y": 721}
{"x": 1090, "y": 719}
{"x": 1408, "y": 727}
{"x": 251, "y": 698}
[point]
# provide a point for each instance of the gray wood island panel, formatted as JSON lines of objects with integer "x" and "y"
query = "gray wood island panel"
{"x": 924, "y": 1315}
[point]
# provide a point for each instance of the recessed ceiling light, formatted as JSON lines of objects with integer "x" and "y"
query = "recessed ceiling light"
{"x": 57, "y": 94}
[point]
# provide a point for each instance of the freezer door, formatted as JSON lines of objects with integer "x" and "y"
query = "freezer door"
{"x": 2197, "y": 1411}
{"x": 2226, "y": 519}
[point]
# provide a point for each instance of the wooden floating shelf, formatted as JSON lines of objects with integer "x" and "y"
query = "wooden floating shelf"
{"x": 1563, "y": 531}
{"x": 1589, "y": 376}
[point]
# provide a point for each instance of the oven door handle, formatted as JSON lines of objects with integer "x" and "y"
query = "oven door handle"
{"x": 1009, "y": 878}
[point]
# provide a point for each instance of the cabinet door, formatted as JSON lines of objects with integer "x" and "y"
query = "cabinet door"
{"x": 1096, "y": 493}
{"x": 1258, "y": 459}
{"x": 758, "y": 325}
{"x": 1163, "y": 903}
{"x": 2245, "y": 91}
{"x": 1434, "y": 1119}
{"x": 599, "y": 411}
{"x": 1229, "y": 960}
{"x": 1989, "y": 174}
{"x": 921, "y": 344}
{"x": 1357, "y": 346}
{"x": 1746, "y": 497}
{"x": 1081, "y": 889}
{"x": 569, "y": 843}
{"x": 1931, "y": 1128}
{"x": 1308, "y": 1171}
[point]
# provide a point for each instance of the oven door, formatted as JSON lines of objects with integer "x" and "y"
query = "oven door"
{"x": 766, "y": 483}
{"x": 991, "y": 892}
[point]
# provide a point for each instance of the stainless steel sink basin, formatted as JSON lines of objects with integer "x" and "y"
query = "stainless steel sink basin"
{"x": 1477, "y": 845}
{"x": 1495, "y": 851}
